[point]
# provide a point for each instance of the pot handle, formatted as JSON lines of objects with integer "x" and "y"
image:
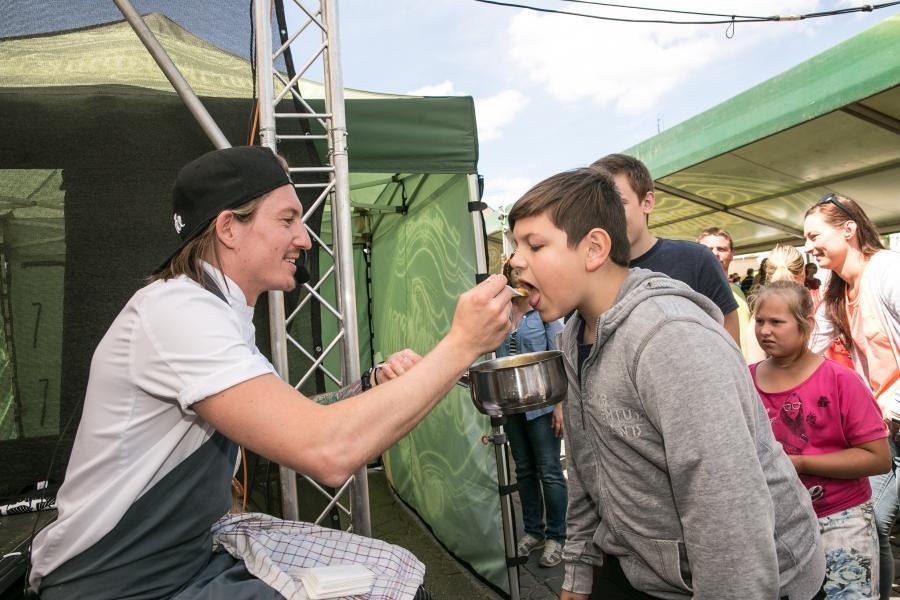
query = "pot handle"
{"x": 464, "y": 380}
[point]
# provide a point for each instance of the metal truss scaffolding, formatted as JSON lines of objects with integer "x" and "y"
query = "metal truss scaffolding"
{"x": 330, "y": 183}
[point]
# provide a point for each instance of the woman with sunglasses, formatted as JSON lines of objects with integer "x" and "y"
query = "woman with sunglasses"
{"x": 827, "y": 421}
{"x": 861, "y": 308}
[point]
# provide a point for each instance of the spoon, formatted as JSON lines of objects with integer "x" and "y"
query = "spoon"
{"x": 517, "y": 291}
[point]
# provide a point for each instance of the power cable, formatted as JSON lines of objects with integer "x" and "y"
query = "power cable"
{"x": 729, "y": 19}
{"x": 663, "y": 10}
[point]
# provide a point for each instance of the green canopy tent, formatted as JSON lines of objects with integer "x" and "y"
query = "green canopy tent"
{"x": 93, "y": 136}
{"x": 754, "y": 164}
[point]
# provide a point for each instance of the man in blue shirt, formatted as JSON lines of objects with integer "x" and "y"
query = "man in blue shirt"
{"x": 679, "y": 259}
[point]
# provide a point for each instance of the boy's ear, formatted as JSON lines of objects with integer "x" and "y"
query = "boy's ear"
{"x": 599, "y": 245}
{"x": 648, "y": 202}
{"x": 225, "y": 228}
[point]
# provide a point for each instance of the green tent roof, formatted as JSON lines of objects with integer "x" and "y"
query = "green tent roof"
{"x": 387, "y": 133}
{"x": 756, "y": 162}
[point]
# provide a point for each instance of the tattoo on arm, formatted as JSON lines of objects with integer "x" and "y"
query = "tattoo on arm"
{"x": 345, "y": 392}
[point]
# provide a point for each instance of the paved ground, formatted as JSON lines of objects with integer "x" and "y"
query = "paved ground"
{"x": 445, "y": 577}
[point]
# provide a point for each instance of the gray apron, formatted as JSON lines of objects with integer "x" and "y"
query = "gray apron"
{"x": 162, "y": 546}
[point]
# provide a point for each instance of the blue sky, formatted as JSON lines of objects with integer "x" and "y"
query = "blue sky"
{"x": 554, "y": 92}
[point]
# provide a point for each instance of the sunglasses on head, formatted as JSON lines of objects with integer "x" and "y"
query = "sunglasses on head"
{"x": 833, "y": 199}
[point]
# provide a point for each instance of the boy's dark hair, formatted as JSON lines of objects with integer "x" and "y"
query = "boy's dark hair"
{"x": 637, "y": 173}
{"x": 577, "y": 201}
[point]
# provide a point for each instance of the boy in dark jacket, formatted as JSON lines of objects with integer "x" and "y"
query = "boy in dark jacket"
{"x": 677, "y": 488}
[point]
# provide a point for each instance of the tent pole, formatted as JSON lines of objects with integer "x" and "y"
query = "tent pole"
{"x": 498, "y": 436}
{"x": 343, "y": 239}
{"x": 174, "y": 76}
{"x": 481, "y": 256}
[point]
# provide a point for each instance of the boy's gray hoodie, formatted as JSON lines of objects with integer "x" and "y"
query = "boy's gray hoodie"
{"x": 672, "y": 464}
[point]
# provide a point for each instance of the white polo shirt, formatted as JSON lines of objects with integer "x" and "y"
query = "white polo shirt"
{"x": 172, "y": 345}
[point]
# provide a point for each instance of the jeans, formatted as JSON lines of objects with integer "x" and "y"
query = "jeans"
{"x": 610, "y": 583}
{"x": 887, "y": 502}
{"x": 535, "y": 450}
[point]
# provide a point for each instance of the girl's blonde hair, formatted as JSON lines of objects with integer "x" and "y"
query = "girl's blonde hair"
{"x": 785, "y": 263}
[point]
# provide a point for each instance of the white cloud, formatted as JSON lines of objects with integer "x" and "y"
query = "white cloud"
{"x": 493, "y": 113}
{"x": 445, "y": 88}
{"x": 504, "y": 191}
{"x": 628, "y": 66}
{"x": 496, "y": 112}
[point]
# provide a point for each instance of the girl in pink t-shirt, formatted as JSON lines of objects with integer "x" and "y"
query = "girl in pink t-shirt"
{"x": 829, "y": 424}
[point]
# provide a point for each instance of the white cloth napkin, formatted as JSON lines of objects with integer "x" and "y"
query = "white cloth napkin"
{"x": 334, "y": 581}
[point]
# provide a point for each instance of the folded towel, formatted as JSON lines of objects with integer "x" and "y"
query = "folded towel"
{"x": 334, "y": 581}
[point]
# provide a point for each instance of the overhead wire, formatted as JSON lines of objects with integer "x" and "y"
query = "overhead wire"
{"x": 663, "y": 10}
{"x": 726, "y": 19}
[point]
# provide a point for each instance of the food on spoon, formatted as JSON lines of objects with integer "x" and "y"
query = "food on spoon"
{"x": 512, "y": 280}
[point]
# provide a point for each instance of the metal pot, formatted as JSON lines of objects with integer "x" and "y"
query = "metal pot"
{"x": 518, "y": 383}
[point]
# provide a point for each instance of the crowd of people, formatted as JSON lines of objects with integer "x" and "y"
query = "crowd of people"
{"x": 756, "y": 416}
{"x": 714, "y": 447}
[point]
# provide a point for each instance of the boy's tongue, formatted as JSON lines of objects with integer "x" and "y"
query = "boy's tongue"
{"x": 534, "y": 298}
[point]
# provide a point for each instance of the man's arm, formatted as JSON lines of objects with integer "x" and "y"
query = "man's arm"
{"x": 389, "y": 369}
{"x": 329, "y": 443}
{"x": 733, "y": 326}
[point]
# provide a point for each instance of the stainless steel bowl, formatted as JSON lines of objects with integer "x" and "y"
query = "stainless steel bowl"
{"x": 515, "y": 384}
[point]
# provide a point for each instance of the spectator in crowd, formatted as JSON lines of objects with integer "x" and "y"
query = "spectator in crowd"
{"x": 829, "y": 424}
{"x": 784, "y": 263}
{"x": 747, "y": 281}
{"x": 722, "y": 246}
{"x": 679, "y": 259}
{"x": 677, "y": 487}
{"x": 535, "y": 440}
{"x": 178, "y": 382}
{"x": 861, "y": 307}
{"x": 811, "y": 281}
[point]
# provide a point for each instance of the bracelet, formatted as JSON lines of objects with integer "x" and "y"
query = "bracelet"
{"x": 365, "y": 381}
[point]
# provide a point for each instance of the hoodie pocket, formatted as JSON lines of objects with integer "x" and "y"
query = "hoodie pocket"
{"x": 653, "y": 566}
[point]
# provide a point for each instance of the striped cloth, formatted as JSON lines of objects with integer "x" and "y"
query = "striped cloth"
{"x": 513, "y": 343}
{"x": 270, "y": 546}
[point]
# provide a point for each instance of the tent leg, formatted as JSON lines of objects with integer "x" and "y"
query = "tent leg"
{"x": 481, "y": 255}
